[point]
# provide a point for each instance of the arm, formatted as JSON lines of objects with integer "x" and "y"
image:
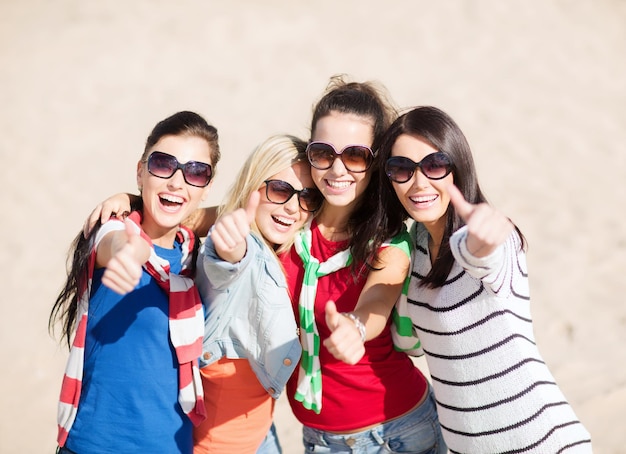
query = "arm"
{"x": 489, "y": 248}
{"x": 230, "y": 231}
{"x": 487, "y": 228}
{"x": 123, "y": 253}
{"x": 118, "y": 205}
{"x": 227, "y": 250}
{"x": 379, "y": 295}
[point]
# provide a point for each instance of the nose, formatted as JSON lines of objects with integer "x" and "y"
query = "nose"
{"x": 292, "y": 205}
{"x": 177, "y": 180}
{"x": 419, "y": 179}
{"x": 338, "y": 167}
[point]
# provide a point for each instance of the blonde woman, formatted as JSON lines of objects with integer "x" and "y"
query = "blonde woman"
{"x": 251, "y": 345}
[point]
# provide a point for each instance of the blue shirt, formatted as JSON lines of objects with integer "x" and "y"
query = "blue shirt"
{"x": 129, "y": 399}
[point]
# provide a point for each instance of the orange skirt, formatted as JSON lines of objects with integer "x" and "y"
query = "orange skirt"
{"x": 239, "y": 410}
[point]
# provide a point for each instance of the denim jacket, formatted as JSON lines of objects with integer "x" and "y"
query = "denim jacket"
{"x": 248, "y": 313}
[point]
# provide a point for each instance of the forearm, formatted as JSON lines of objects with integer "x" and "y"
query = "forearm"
{"x": 374, "y": 314}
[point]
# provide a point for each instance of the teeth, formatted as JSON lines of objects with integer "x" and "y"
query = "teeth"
{"x": 338, "y": 184}
{"x": 423, "y": 198}
{"x": 171, "y": 198}
{"x": 282, "y": 220}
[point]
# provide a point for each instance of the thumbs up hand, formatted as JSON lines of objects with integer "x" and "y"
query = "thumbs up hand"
{"x": 487, "y": 227}
{"x": 230, "y": 231}
{"x": 128, "y": 254}
{"x": 344, "y": 342}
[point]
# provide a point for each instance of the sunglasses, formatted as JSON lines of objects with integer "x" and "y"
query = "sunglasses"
{"x": 434, "y": 166}
{"x": 280, "y": 192}
{"x": 355, "y": 158}
{"x": 195, "y": 173}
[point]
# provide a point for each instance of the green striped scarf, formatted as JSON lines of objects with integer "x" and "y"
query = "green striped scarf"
{"x": 309, "y": 390}
{"x": 404, "y": 337}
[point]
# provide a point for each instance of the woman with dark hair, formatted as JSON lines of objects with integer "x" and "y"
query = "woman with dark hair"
{"x": 468, "y": 298}
{"x": 380, "y": 403}
{"x": 132, "y": 384}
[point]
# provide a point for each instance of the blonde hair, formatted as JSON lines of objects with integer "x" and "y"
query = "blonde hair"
{"x": 277, "y": 153}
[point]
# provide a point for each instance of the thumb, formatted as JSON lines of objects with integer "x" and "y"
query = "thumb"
{"x": 130, "y": 229}
{"x": 332, "y": 316}
{"x": 463, "y": 208}
{"x": 253, "y": 204}
{"x": 140, "y": 244}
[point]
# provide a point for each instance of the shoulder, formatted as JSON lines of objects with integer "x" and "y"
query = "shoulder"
{"x": 112, "y": 225}
{"x": 402, "y": 241}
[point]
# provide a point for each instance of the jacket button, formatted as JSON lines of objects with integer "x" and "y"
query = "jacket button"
{"x": 206, "y": 355}
{"x": 287, "y": 362}
{"x": 272, "y": 391}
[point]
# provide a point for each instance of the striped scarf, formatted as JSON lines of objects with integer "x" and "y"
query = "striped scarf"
{"x": 402, "y": 333}
{"x": 309, "y": 390}
{"x": 186, "y": 329}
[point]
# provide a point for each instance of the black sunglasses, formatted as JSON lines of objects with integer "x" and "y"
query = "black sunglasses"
{"x": 434, "y": 166}
{"x": 195, "y": 173}
{"x": 280, "y": 192}
{"x": 356, "y": 158}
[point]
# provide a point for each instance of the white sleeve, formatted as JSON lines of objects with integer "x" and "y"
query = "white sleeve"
{"x": 498, "y": 270}
{"x": 112, "y": 225}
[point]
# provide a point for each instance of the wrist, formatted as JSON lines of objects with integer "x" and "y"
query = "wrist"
{"x": 357, "y": 323}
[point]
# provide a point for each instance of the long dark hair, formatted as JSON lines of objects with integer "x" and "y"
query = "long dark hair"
{"x": 368, "y": 100}
{"x": 438, "y": 129}
{"x": 65, "y": 308}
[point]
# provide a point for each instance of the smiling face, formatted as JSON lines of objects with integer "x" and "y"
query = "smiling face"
{"x": 279, "y": 223}
{"x": 167, "y": 201}
{"x": 340, "y": 187}
{"x": 425, "y": 200}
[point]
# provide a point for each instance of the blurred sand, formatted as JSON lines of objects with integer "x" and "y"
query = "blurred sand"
{"x": 538, "y": 86}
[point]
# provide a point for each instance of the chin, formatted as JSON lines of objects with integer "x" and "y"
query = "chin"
{"x": 277, "y": 239}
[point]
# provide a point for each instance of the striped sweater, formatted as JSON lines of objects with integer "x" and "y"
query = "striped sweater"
{"x": 494, "y": 392}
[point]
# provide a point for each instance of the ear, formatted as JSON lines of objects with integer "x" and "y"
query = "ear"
{"x": 205, "y": 192}
{"x": 139, "y": 175}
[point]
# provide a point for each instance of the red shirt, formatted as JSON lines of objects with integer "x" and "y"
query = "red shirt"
{"x": 384, "y": 384}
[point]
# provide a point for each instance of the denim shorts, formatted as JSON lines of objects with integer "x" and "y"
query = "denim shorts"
{"x": 416, "y": 432}
{"x": 270, "y": 444}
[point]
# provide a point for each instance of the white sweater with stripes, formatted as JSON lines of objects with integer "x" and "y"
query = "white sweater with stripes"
{"x": 494, "y": 392}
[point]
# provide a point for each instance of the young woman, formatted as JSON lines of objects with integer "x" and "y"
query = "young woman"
{"x": 468, "y": 298}
{"x": 383, "y": 402}
{"x": 132, "y": 383}
{"x": 251, "y": 346}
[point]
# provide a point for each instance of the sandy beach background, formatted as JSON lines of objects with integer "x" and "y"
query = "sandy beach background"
{"x": 538, "y": 86}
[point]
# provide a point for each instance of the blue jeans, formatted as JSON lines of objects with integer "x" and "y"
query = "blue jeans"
{"x": 270, "y": 444}
{"x": 416, "y": 432}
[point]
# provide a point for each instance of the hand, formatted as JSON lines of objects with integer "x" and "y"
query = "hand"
{"x": 344, "y": 343}
{"x": 230, "y": 231}
{"x": 117, "y": 205}
{"x": 124, "y": 269}
{"x": 487, "y": 228}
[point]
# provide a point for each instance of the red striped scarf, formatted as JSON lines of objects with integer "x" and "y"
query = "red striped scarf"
{"x": 186, "y": 330}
